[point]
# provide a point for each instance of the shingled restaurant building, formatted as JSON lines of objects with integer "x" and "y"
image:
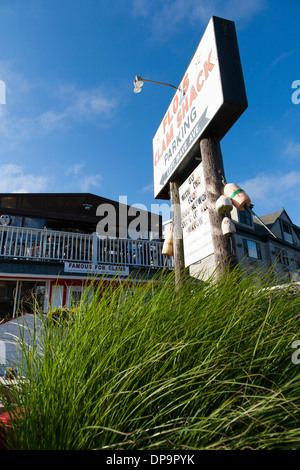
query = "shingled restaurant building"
{"x": 50, "y": 249}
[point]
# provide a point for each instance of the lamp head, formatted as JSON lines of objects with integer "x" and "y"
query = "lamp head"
{"x": 138, "y": 83}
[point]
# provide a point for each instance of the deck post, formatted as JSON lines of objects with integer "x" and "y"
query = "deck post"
{"x": 95, "y": 248}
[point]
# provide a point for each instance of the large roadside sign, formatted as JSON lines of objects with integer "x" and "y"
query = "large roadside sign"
{"x": 210, "y": 98}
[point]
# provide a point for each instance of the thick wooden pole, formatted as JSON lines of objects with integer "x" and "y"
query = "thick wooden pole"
{"x": 212, "y": 161}
{"x": 177, "y": 233}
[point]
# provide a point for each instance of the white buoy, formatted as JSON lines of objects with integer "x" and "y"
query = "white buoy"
{"x": 223, "y": 205}
{"x": 228, "y": 226}
{"x": 167, "y": 248}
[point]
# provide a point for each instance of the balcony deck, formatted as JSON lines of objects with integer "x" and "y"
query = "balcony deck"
{"x": 49, "y": 245}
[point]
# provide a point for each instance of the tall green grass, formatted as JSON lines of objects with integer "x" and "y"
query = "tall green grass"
{"x": 208, "y": 367}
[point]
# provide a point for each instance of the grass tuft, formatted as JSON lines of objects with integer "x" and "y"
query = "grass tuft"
{"x": 145, "y": 367}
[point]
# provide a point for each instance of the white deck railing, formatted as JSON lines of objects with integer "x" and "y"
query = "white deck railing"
{"x": 41, "y": 245}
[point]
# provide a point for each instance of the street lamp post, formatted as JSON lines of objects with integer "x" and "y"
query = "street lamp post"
{"x": 139, "y": 82}
{"x": 175, "y": 202}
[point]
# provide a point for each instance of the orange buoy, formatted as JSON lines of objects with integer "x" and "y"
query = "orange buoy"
{"x": 237, "y": 195}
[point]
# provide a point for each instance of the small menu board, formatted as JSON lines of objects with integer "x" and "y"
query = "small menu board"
{"x": 195, "y": 223}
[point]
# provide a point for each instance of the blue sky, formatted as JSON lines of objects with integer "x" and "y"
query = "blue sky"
{"x": 71, "y": 122}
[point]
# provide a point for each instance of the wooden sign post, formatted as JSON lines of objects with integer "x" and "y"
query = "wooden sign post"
{"x": 224, "y": 247}
{"x": 179, "y": 265}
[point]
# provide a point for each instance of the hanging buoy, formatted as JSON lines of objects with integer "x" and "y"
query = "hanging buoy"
{"x": 237, "y": 195}
{"x": 224, "y": 204}
{"x": 242, "y": 201}
{"x": 228, "y": 226}
{"x": 167, "y": 248}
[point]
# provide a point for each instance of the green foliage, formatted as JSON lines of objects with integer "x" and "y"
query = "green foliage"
{"x": 60, "y": 315}
{"x": 145, "y": 367}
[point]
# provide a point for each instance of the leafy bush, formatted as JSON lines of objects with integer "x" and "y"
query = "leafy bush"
{"x": 61, "y": 315}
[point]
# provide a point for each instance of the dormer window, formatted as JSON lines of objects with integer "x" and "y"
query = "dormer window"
{"x": 245, "y": 217}
{"x": 287, "y": 232}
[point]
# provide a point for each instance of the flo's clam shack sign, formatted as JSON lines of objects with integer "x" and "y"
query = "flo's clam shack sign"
{"x": 208, "y": 101}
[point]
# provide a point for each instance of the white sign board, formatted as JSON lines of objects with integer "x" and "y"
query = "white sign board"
{"x": 211, "y": 96}
{"x": 195, "y": 223}
{"x": 95, "y": 268}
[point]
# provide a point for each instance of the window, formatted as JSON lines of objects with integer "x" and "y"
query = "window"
{"x": 252, "y": 249}
{"x": 245, "y": 217}
{"x": 281, "y": 256}
{"x": 18, "y": 297}
{"x": 31, "y": 222}
{"x": 287, "y": 232}
{"x": 31, "y": 296}
{"x": 16, "y": 220}
{"x": 34, "y": 222}
{"x": 76, "y": 294}
{"x": 7, "y": 298}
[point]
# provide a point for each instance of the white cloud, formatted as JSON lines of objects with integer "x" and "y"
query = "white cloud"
{"x": 170, "y": 13}
{"x": 147, "y": 188}
{"x": 36, "y": 109}
{"x": 83, "y": 182}
{"x": 292, "y": 149}
{"x": 141, "y": 8}
{"x": 13, "y": 179}
{"x": 282, "y": 57}
{"x": 16, "y": 84}
{"x": 14, "y": 130}
{"x": 78, "y": 106}
{"x": 75, "y": 169}
{"x": 271, "y": 192}
{"x": 90, "y": 181}
{"x": 265, "y": 186}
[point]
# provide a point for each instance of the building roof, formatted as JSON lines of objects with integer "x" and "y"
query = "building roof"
{"x": 55, "y": 203}
{"x": 78, "y": 209}
{"x": 270, "y": 219}
{"x": 259, "y": 228}
{"x": 75, "y": 205}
